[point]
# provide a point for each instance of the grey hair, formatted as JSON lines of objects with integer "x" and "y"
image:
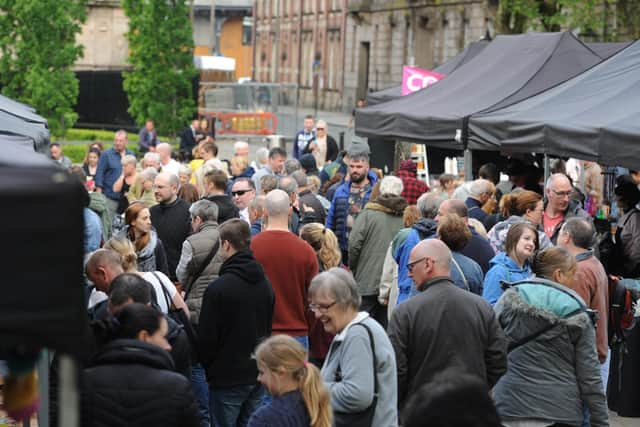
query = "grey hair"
{"x": 480, "y": 186}
{"x": 292, "y": 165}
{"x": 300, "y": 178}
{"x": 149, "y": 174}
{"x": 257, "y": 204}
{"x": 391, "y": 185}
{"x": 240, "y": 144}
{"x": 277, "y": 204}
{"x": 553, "y": 178}
{"x": 428, "y": 205}
{"x": 121, "y": 132}
{"x": 154, "y": 157}
{"x": 262, "y": 154}
{"x": 129, "y": 159}
{"x": 186, "y": 170}
{"x": 581, "y": 232}
{"x": 340, "y": 285}
{"x": 205, "y": 209}
{"x": 288, "y": 184}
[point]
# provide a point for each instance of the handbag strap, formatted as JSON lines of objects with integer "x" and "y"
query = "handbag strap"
{"x": 466, "y": 284}
{"x": 202, "y": 267}
{"x": 164, "y": 291}
{"x": 373, "y": 354}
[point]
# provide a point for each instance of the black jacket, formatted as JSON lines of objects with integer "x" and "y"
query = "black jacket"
{"x": 172, "y": 222}
{"x": 237, "y": 311}
{"x": 226, "y": 208}
{"x": 445, "y": 327}
{"x": 131, "y": 384}
{"x": 332, "y": 149}
{"x": 187, "y": 140}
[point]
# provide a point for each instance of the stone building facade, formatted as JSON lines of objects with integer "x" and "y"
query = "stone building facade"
{"x": 302, "y": 42}
{"x": 382, "y": 36}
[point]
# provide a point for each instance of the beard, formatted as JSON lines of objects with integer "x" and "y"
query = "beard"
{"x": 357, "y": 178}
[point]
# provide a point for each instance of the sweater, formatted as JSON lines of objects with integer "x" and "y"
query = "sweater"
{"x": 172, "y": 221}
{"x": 226, "y": 208}
{"x": 290, "y": 264}
{"x": 287, "y": 410}
{"x": 236, "y": 315}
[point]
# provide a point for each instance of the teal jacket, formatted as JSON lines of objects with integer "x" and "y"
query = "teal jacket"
{"x": 503, "y": 268}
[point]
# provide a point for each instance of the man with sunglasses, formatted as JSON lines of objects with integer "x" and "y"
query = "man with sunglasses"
{"x": 443, "y": 327}
{"x": 243, "y": 191}
{"x": 559, "y": 205}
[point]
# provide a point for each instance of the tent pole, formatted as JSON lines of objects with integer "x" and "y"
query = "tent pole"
{"x": 468, "y": 165}
{"x": 43, "y": 386}
{"x": 68, "y": 396}
{"x": 547, "y": 168}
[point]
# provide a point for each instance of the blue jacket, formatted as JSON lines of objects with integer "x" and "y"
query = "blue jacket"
{"x": 337, "y": 216}
{"x": 300, "y": 141}
{"x": 402, "y": 245}
{"x": 503, "y": 268}
{"x": 475, "y": 209}
{"x": 472, "y": 273}
{"x": 108, "y": 172}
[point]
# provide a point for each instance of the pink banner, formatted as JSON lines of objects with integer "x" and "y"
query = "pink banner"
{"x": 414, "y": 79}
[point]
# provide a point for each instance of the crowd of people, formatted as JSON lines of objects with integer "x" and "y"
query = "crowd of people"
{"x": 311, "y": 290}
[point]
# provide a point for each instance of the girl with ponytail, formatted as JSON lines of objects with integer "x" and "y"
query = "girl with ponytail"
{"x": 324, "y": 243}
{"x": 299, "y": 395}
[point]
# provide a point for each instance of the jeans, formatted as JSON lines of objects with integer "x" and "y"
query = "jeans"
{"x": 231, "y": 407}
{"x": 201, "y": 391}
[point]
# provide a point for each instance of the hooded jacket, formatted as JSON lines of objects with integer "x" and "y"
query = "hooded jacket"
{"x": 503, "y": 268}
{"x": 402, "y": 245}
{"x": 551, "y": 376}
{"x": 498, "y": 234}
{"x": 236, "y": 314}
{"x": 372, "y": 232}
{"x": 131, "y": 383}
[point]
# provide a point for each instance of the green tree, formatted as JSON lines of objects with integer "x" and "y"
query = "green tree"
{"x": 592, "y": 17}
{"x": 38, "y": 47}
{"x": 159, "y": 85}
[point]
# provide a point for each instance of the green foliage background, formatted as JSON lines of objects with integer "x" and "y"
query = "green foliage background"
{"x": 159, "y": 86}
{"x": 38, "y": 47}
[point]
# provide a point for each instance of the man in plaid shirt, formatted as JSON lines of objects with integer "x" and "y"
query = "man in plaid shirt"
{"x": 412, "y": 186}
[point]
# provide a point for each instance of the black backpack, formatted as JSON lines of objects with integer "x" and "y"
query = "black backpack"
{"x": 622, "y": 300}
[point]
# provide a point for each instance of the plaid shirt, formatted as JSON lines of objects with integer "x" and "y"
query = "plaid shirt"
{"x": 412, "y": 187}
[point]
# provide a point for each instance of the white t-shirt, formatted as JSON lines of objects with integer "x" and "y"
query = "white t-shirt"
{"x": 158, "y": 285}
{"x": 172, "y": 167}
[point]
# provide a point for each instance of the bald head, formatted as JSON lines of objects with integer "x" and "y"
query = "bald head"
{"x": 166, "y": 187}
{"x": 276, "y": 205}
{"x": 103, "y": 266}
{"x": 430, "y": 258}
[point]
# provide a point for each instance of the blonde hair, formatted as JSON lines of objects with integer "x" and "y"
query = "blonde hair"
{"x": 546, "y": 262}
{"x": 324, "y": 242}
{"x": 240, "y": 161}
{"x": 281, "y": 353}
{"x": 125, "y": 248}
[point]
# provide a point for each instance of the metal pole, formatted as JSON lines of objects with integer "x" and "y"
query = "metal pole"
{"x": 547, "y": 168}
{"x": 468, "y": 165}
{"x": 68, "y": 395}
{"x": 212, "y": 23}
{"x": 43, "y": 388}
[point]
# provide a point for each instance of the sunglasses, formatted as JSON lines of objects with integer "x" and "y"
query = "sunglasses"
{"x": 413, "y": 264}
{"x": 239, "y": 192}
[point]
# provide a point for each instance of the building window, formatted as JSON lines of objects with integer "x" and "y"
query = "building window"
{"x": 247, "y": 30}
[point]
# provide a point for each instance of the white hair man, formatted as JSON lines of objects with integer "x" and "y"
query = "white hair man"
{"x": 480, "y": 192}
{"x": 166, "y": 162}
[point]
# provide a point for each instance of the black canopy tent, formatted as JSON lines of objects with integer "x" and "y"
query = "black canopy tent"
{"x": 20, "y": 123}
{"x": 447, "y": 68}
{"x": 509, "y": 70}
{"x": 594, "y": 116}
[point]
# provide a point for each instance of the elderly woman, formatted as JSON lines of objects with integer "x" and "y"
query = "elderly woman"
{"x": 184, "y": 173}
{"x": 240, "y": 168}
{"x": 553, "y": 364}
{"x": 125, "y": 181}
{"x": 360, "y": 368}
{"x": 142, "y": 190}
{"x": 323, "y": 147}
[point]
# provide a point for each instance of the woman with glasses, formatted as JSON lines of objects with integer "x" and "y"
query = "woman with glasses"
{"x": 360, "y": 368}
{"x": 520, "y": 206}
{"x": 513, "y": 263}
{"x": 553, "y": 369}
{"x": 323, "y": 147}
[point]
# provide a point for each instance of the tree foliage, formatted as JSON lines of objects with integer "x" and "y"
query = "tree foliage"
{"x": 38, "y": 47}
{"x": 159, "y": 85}
{"x": 591, "y": 17}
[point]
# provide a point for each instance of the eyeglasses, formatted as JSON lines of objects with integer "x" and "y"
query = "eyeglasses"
{"x": 413, "y": 264}
{"x": 319, "y": 128}
{"x": 321, "y": 308}
{"x": 562, "y": 193}
{"x": 239, "y": 192}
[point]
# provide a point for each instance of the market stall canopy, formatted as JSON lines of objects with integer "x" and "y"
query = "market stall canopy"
{"x": 21, "y": 110}
{"x": 19, "y": 128}
{"x": 447, "y": 68}
{"x": 594, "y": 116}
{"x": 510, "y": 69}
